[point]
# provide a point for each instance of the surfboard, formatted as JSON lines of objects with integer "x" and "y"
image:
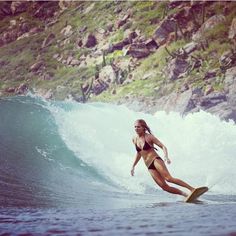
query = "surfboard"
{"x": 196, "y": 194}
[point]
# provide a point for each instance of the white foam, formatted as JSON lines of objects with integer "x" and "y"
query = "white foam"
{"x": 201, "y": 147}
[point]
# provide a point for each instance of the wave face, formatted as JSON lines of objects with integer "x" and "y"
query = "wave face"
{"x": 65, "y": 153}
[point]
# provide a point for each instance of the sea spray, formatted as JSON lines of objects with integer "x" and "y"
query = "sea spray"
{"x": 201, "y": 146}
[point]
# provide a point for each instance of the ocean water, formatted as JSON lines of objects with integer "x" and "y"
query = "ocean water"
{"x": 65, "y": 170}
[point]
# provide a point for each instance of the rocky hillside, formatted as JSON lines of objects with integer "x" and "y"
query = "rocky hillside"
{"x": 172, "y": 55}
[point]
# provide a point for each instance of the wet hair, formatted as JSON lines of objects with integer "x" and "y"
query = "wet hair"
{"x": 144, "y": 125}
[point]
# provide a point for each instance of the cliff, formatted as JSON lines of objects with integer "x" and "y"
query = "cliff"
{"x": 173, "y": 55}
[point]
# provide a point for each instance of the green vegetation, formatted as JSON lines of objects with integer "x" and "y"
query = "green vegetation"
{"x": 147, "y": 76}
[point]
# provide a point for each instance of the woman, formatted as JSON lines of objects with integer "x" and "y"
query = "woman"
{"x": 144, "y": 145}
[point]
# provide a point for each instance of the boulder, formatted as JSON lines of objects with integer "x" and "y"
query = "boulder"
{"x": 210, "y": 74}
{"x": 232, "y": 31}
{"x": 24, "y": 27}
{"x": 208, "y": 25}
{"x": 175, "y": 68}
{"x": 45, "y": 9}
{"x": 5, "y": 9}
{"x": 25, "y": 35}
{"x": 212, "y": 99}
{"x": 90, "y": 41}
{"x": 209, "y": 89}
{"x": 151, "y": 44}
{"x": 18, "y": 7}
{"x": 107, "y": 74}
{"x": 138, "y": 50}
{"x": 83, "y": 29}
{"x": 122, "y": 21}
{"x": 36, "y": 66}
{"x": 179, "y": 102}
{"x": 118, "y": 46}
{"x": 190, "y": 47}
{"x": 9, "y": 36}
{"x": 228, "y": 59}
{"x": 162, "y": 32}
{"x": 10, "y": 90}
{"x": 35, "y": 30}
{"x": 74, "y": 62}
{"x": 230, "y": 85}
{"x": 67, "y": 31}
{"x": 99, "y": 86}
{"x": 22, "y": 89}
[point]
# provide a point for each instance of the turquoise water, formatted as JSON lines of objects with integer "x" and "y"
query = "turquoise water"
{"x": 65, "y": 169}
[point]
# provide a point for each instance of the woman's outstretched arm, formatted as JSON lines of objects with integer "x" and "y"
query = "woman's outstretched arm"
{"x": 137, "y": 158}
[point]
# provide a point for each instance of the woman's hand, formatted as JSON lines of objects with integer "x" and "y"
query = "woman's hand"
{"x": 167, "y": 160}
{"x": 132, "y": 171}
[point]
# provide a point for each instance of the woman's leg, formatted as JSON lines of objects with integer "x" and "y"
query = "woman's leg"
{"x": 161, "y": 182}
{"x": 161, "y": 168}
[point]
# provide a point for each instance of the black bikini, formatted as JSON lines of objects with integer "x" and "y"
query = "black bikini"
{"x": 147, "y": 146}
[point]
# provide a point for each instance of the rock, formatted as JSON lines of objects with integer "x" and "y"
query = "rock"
{"x": 36, "y": 66}
{"x": 35, "y": 30}
{"x": 79, "y": 43}
{"x": 132, "y": 35}
{"x": 190, "y": 47}
{"x": 138, "y": 50}
{"x": 19, "y": 7}
{"x": 179, "y": 102}
{"x": 10, "y": 90}
{"x": 232, "y": 31}
{"x": 107, "y": 74}
{"x": 122, "y": 21}
{"x": 118, "y": 10}
{"x": 49, "y": 40}
{"x": 48, "y": 94}
{"x": 230, "y": 85}
{"x": 45, "y": 9}
{"x": 175, "y": 68}
{"x": 9, "y": 37}
{"x": 67, "y": 31}
{"x": 69, "y": 59}
{"x": 12, "y": 22}
{"x": 209, "y": 89}
{"x": 46, "y": 77}
{"x": 74, "y": 62}
{"x": 5, "y": 9}
{"x": 110, "y": 27}
{"x": 24, "y": 27}
{"x": 99, "y": 86}
{"x": 22, "y": 89}
{"x": 113, "y": 92}
{"x": 224, "y": 111}
{"x": 119, "y": 45}
{"x": 208, "y": 25}
{"x": 230, "y": 76}
{"x": 162, "y": 32}
{"x": 90, "y": 41}
{"x": 210, "y": 74}
{"x": 151, "y": 44}
{"x": 224, "y": 57}
{"x": 83, "y": 29}
{"x": 25, "y": 35}
{"x": 212, "y": 99}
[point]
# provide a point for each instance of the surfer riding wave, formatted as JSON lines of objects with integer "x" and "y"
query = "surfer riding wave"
{"x": 144, "y": 144}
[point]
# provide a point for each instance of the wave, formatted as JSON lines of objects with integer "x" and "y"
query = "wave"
{"x": 64, "y": 152}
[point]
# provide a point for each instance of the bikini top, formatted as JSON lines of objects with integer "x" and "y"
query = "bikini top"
{"x": 146, "y": 146}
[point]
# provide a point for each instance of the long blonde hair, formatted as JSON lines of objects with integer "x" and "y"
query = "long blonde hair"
{"x": 144, "y": 125}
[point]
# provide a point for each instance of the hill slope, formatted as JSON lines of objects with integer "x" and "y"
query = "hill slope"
{"x": 173, "y": 56}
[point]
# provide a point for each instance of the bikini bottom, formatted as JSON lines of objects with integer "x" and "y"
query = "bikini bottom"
{"x": 152, "y": 167}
